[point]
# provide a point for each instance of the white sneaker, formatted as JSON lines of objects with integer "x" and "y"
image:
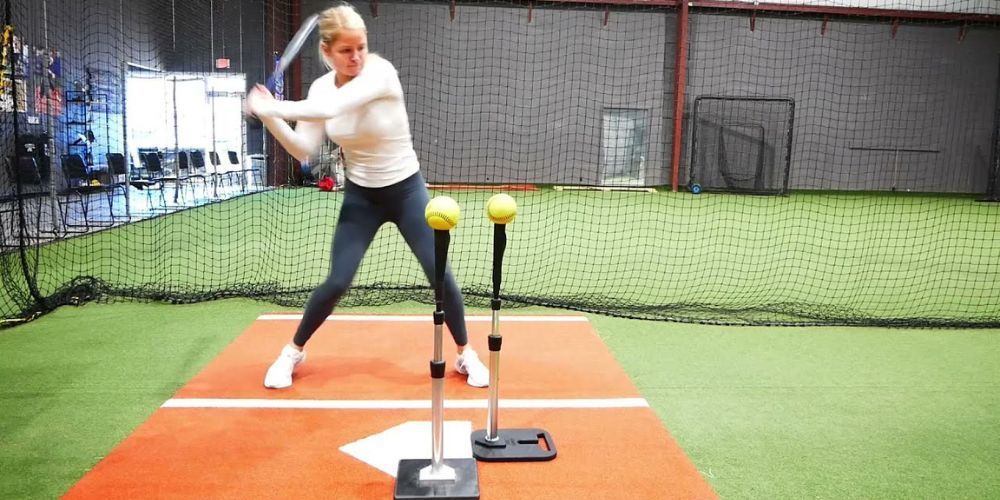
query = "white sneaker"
{"x": 279, "y": 375}
{"x": 468, "y": 363}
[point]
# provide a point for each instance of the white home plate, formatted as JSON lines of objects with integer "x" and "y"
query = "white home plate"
{"x": 410, "y": 440}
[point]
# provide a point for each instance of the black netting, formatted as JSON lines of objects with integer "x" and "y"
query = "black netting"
{"x": 129, "y": 171}
{"x": 741, "y": 144}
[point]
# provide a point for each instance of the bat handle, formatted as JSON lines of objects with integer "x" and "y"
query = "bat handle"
{"x": 271, "y": 80}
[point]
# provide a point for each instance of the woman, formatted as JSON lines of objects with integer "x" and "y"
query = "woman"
{"x": 359, "y": 106}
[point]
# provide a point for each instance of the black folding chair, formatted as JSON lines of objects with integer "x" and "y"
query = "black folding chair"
{"x": 223, "y": 172}
{"x": 234, "y": 159}
{"x": 153, "y": 165}
{"x": 27, "y": 185}
{"x": 80, "y": 184}
{"x": 121, "y": 178}
{"x": 198, "y": 164}
{"x": 186, "y": 168}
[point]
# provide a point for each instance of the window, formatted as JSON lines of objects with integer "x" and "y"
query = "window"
{"x": 185, "y": 111}
{"x": 623, "y": 147}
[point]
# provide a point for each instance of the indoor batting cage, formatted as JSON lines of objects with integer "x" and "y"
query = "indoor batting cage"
{"x": 795, "y": 162}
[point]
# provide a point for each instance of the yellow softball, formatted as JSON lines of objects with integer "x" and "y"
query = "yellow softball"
{"x": 501, "y": 208}
{"x": 442, "y": 213}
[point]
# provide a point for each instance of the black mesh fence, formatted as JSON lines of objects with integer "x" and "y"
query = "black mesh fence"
{"x": 129, "y": 171}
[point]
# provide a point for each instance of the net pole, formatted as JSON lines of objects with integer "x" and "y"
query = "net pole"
{"x": 50, "y": 129}
{"x": 126, "y": 157}
{"x": 22, "y": 244}
{"x": 993, "y": 186}
{"x": 679, "y": 81}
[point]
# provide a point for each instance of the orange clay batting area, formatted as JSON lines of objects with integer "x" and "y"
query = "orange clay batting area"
{"x": 361, "y": 401}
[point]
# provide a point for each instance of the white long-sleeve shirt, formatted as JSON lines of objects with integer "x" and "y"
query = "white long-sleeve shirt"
{"x": 366, "y": 117}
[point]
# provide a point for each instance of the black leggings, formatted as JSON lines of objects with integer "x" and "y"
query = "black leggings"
{"x": 364, "y": 210}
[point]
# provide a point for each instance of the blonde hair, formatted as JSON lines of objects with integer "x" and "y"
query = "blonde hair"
{"x": 334, "y": 20}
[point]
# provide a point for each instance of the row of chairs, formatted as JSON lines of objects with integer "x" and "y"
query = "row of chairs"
{"x": 77, "y": 188}
{"x": 189, "y": 166}
{"x": 81, "y": 182}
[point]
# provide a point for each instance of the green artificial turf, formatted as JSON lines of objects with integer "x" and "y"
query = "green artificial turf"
{"x": 762, "y": 412}
{"x": 824, "y": 412}
{"x": 79, "y": 380}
